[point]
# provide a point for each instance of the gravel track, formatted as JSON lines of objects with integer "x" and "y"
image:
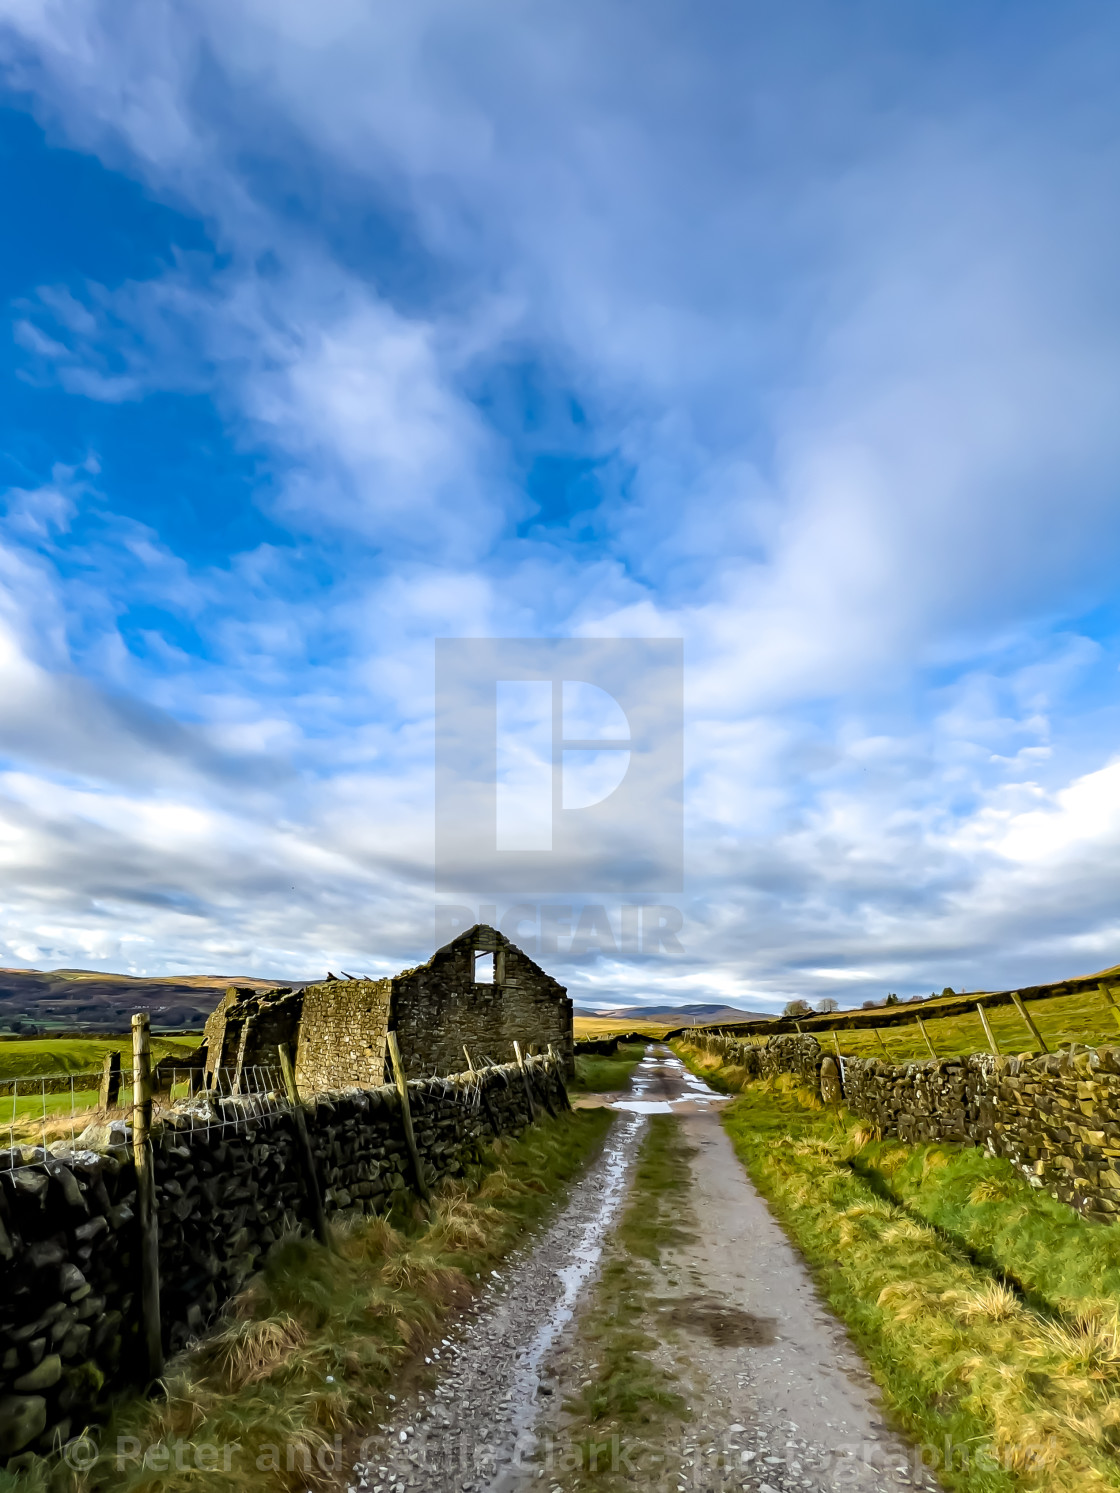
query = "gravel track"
{"x": 780, "y": 1400}
{"x": 473, "y": 1431}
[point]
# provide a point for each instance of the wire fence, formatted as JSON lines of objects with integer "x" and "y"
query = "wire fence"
{"x": 49, "y": 1114}
{"x": 45, "y": 1113}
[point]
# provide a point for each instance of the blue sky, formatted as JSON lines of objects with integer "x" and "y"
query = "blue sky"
{"x": 790, "y": 331}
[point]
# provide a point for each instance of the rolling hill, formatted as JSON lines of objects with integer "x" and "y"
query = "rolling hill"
{"x": 92, "y": 1001}
{"x": 697, "y": 1011}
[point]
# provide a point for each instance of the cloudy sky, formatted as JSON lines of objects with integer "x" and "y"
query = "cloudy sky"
{"x": 790, "y": 331}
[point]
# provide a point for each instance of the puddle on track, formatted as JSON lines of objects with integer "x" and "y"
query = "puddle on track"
{"x": 662, "y": 1085}
{"x": 474, "y": 1431}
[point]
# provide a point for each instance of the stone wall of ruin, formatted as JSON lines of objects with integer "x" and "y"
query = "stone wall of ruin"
{"x": 437, "y": 1008}
{"x": 246, "y": 1027}
{"x": 337, "y": 1029}
{"x": 342, "y": 1035}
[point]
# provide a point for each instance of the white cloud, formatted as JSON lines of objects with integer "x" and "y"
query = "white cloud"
{"x": 1083, "y": 816}
{"x": 854, "y": 371}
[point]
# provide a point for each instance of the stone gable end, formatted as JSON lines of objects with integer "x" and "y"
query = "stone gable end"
{"x": 336, "y": 1029}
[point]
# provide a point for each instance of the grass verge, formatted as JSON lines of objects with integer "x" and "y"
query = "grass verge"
{"x": 918, "y": 1249}
{"x": 596, "y": 1075}
{"x": 1059, "y": 1261}
{"x": 279, "y": 1395}
{"x": 626, "y": 1399}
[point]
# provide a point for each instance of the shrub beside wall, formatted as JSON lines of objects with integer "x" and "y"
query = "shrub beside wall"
{"x": 228, "y": 1185}
{"x": 1056, "y": 1117}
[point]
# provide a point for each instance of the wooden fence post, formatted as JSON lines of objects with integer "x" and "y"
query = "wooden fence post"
{"x": 992, "y": 1043}
{"x": 1029, "y": 1019}
{"x": 882, "y": 1043}
{"x": 836, "y": 1042}
{"x": 925, "y": 1035}
{"x": 558, "y": 1066}
{"x": 1111, "y": 1002}
{"x": 406, "y": 1117}
{"x": 303, "y": 1146}
{"x": 525, "y": 1080}
{"x": 546, "y": 1096}
{"x": 147, "y": 1219}
{"x": 110, "y": 1081}
{"x": 487, "y": 1106}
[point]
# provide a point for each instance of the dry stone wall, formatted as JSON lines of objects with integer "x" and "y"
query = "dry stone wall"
{"x": 1055, "y": 1117}
{"x": 228, "y": 1186}
{"x": 794, "y": 1054}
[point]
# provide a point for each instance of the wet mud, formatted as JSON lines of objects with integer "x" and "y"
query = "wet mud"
{"x": 725, "y": 1325}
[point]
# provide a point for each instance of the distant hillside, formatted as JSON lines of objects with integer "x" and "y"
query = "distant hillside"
{"x": 87, "y": 1000}
{"x": 91, "y": 1001}
{"x": 697, "y": 1011}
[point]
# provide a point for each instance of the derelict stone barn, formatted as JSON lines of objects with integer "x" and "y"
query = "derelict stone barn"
{"x": 480, "y": 991}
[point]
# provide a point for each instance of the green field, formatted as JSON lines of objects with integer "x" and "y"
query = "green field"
{"x": 36, "y": 1057}
{"x": 608, "y": 1026}
{"x": 1086, "y": 1018}
{"x": 597, "y": 1075}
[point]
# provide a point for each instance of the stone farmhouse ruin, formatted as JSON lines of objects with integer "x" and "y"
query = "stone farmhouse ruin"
{"x": 479, "y": 991}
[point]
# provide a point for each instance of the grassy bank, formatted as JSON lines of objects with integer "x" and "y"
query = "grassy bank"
{"x": 1049, "y": 1253}
{"x": 317, "y": 1344}
{"x": 624, "y": 1394}
{"x": 596, "y": 1075}
{"x": 987, "y": 1313}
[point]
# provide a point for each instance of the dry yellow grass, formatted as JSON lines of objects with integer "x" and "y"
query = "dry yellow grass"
{"x": 610, "y": 1026}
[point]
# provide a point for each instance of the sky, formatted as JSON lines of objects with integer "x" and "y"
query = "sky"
{"x": 792, "y": 332}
